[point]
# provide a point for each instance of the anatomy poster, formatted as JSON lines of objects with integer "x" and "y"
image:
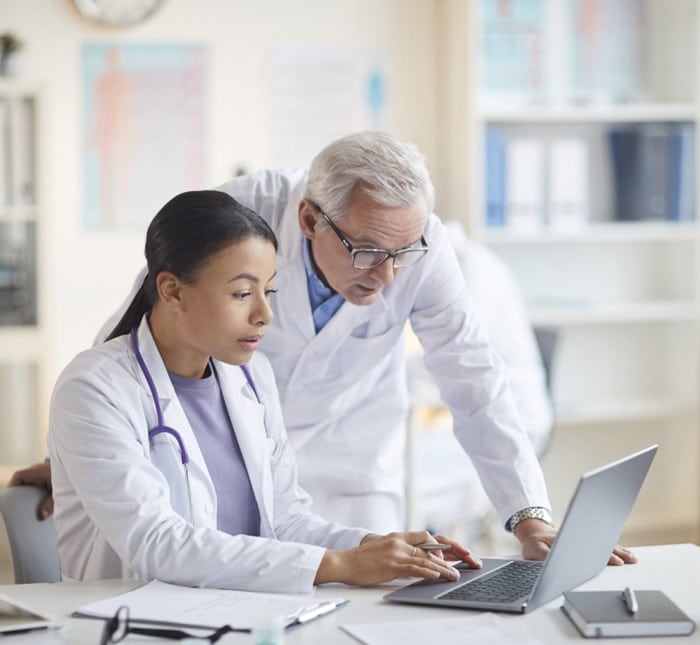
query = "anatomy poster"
{"x": 144, "y": 130}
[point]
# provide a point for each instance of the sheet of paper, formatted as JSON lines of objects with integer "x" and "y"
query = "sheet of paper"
{"x": 485, "y": 629}
{"x": 212, "y": 608}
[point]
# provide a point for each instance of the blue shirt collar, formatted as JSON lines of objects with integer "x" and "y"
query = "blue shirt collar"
{"x": 323, "y": 300}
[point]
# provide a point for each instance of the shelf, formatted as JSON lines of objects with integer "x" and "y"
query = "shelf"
{"x": 589, "y": 113}
{"x": 638, "y": 409}
{"x": 18, "y": 213}
{"x": 623, "y": 313}
{"x": 430, "y": 418}
{"x": 599, "y": 232}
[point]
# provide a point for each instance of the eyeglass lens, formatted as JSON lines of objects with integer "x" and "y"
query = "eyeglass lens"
{"x": 373, "y": 259}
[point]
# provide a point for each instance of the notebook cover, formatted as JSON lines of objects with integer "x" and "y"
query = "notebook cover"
{"x": 604, "y": 613}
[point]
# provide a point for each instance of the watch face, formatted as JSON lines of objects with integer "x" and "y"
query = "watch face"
{"x": 118, "y": 12}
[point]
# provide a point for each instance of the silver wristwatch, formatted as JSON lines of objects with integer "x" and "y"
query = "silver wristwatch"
{"x": 533, "y": 512}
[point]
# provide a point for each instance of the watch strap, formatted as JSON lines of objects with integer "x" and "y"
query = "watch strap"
{"x": 530, "y": 513}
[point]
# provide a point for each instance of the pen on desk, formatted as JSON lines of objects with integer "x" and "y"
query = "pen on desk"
{"x": 433, "y": 546}
{"x": 318, "y": 610}
{"x": 630, "y": 599}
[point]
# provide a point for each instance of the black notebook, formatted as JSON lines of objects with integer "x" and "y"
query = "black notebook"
{"x": 605, "y": 613}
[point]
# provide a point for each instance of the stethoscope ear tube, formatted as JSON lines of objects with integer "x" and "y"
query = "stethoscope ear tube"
{"x": 161, "y": 427}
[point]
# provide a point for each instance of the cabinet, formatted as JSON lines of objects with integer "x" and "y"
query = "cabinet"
{"x": 23, "y": 394}
{"x": 621, "y": 288}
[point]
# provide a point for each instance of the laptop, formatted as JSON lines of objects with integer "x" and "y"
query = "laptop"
{"x": 592, "y": 525}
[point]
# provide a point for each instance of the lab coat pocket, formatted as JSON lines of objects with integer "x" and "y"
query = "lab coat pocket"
{"x": 166, "y": 457}
{"x": 361, "y": 354}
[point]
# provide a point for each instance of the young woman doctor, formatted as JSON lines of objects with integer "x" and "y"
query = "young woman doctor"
{"x": 168, "y": 452}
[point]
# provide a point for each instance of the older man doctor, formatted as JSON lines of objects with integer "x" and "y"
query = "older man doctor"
{"x": 360, "y": 255}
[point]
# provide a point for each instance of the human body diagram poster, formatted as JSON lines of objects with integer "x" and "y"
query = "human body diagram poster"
{"x": 144, "y": 130}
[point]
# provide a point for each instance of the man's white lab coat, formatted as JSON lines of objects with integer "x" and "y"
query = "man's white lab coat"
{"x": 343, "y": 390}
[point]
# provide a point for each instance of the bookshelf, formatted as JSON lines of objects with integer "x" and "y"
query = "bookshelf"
{"x": 22, "y": 337}
{"x": 623, "y": 295}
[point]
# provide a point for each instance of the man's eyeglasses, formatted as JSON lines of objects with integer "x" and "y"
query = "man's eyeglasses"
{"x": 119, "y": 627}
{"x": 373, "y": 258}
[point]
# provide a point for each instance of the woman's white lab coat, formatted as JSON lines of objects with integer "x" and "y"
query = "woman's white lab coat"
{"x": 122, "y": 507}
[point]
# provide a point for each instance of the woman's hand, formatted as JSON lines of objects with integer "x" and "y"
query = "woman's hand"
{"x": 382, "y": 558}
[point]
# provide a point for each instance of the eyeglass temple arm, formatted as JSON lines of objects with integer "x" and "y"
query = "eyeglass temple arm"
{"x": 178, "y": 634}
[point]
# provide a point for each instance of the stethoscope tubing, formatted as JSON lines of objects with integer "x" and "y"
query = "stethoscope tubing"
{"x": 161, "y": 427}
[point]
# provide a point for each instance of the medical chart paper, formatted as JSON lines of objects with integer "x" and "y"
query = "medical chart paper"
{"x": 485, "y": 629}
{"x": 163, "y": 603}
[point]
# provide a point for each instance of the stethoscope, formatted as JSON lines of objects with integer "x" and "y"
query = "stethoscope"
{"x": 161, "y": 428}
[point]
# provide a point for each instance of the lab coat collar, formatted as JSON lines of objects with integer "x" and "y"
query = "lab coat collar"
{"x": 291, "y": 279}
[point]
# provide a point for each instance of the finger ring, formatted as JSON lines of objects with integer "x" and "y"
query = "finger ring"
{"x": 414, "y": 552}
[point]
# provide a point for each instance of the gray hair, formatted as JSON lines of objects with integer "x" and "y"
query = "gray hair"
{"x": 390, "y": 172}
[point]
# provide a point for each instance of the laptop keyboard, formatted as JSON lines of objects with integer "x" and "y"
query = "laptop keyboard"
{"x": 509, "y": 583}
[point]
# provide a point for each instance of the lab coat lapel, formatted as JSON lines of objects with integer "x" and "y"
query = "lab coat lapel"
{"x": 291, "y": 274}
{"x": 291, "y": 280}
{"x": 173, "y": 414}
{"x": 248, "y": 421}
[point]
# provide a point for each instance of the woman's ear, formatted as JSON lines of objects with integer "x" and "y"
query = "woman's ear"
{"x": 169, "y": 289}
{"x": 308, "y": 218}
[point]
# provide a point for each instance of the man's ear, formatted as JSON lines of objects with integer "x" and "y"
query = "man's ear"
{"x": 169, "y": 289}
{"x": 308, "y": 218}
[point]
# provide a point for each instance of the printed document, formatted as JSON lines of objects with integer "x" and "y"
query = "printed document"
{"x": 160, "y": 602}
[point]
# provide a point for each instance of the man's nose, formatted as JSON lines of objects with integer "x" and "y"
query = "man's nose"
{"x": 385, "y": 272}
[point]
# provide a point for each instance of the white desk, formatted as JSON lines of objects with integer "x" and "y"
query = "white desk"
{"x": 675, "y": 569}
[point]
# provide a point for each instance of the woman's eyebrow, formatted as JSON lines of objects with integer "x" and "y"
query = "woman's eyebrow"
{"x": 250, "y": 276}
{"x": 245, "y": 276}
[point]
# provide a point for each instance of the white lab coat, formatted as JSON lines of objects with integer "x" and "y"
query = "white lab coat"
{"x": 503, "y": 315}
{"x": 122, "y": 506}
{"x": 343, "y": 390}
{"x": 454, "y": 496}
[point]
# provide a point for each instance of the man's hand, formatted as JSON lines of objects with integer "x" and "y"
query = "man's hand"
{"x": 36, "y": 475}
{"x": 536, "y": 538}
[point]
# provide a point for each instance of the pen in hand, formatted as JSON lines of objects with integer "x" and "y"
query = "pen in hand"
{"x": 433, "y": 546}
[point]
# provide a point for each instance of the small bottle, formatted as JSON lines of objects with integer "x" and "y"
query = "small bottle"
{"x": 268, "y": 630}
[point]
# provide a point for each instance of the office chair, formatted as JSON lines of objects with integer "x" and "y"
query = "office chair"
{"x": 32, "y": 542}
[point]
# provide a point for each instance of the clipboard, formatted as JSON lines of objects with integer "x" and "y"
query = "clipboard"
{"x": 599, "y": 614}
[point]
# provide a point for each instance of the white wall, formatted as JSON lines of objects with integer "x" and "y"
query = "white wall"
{"x": 87, "y": 274}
